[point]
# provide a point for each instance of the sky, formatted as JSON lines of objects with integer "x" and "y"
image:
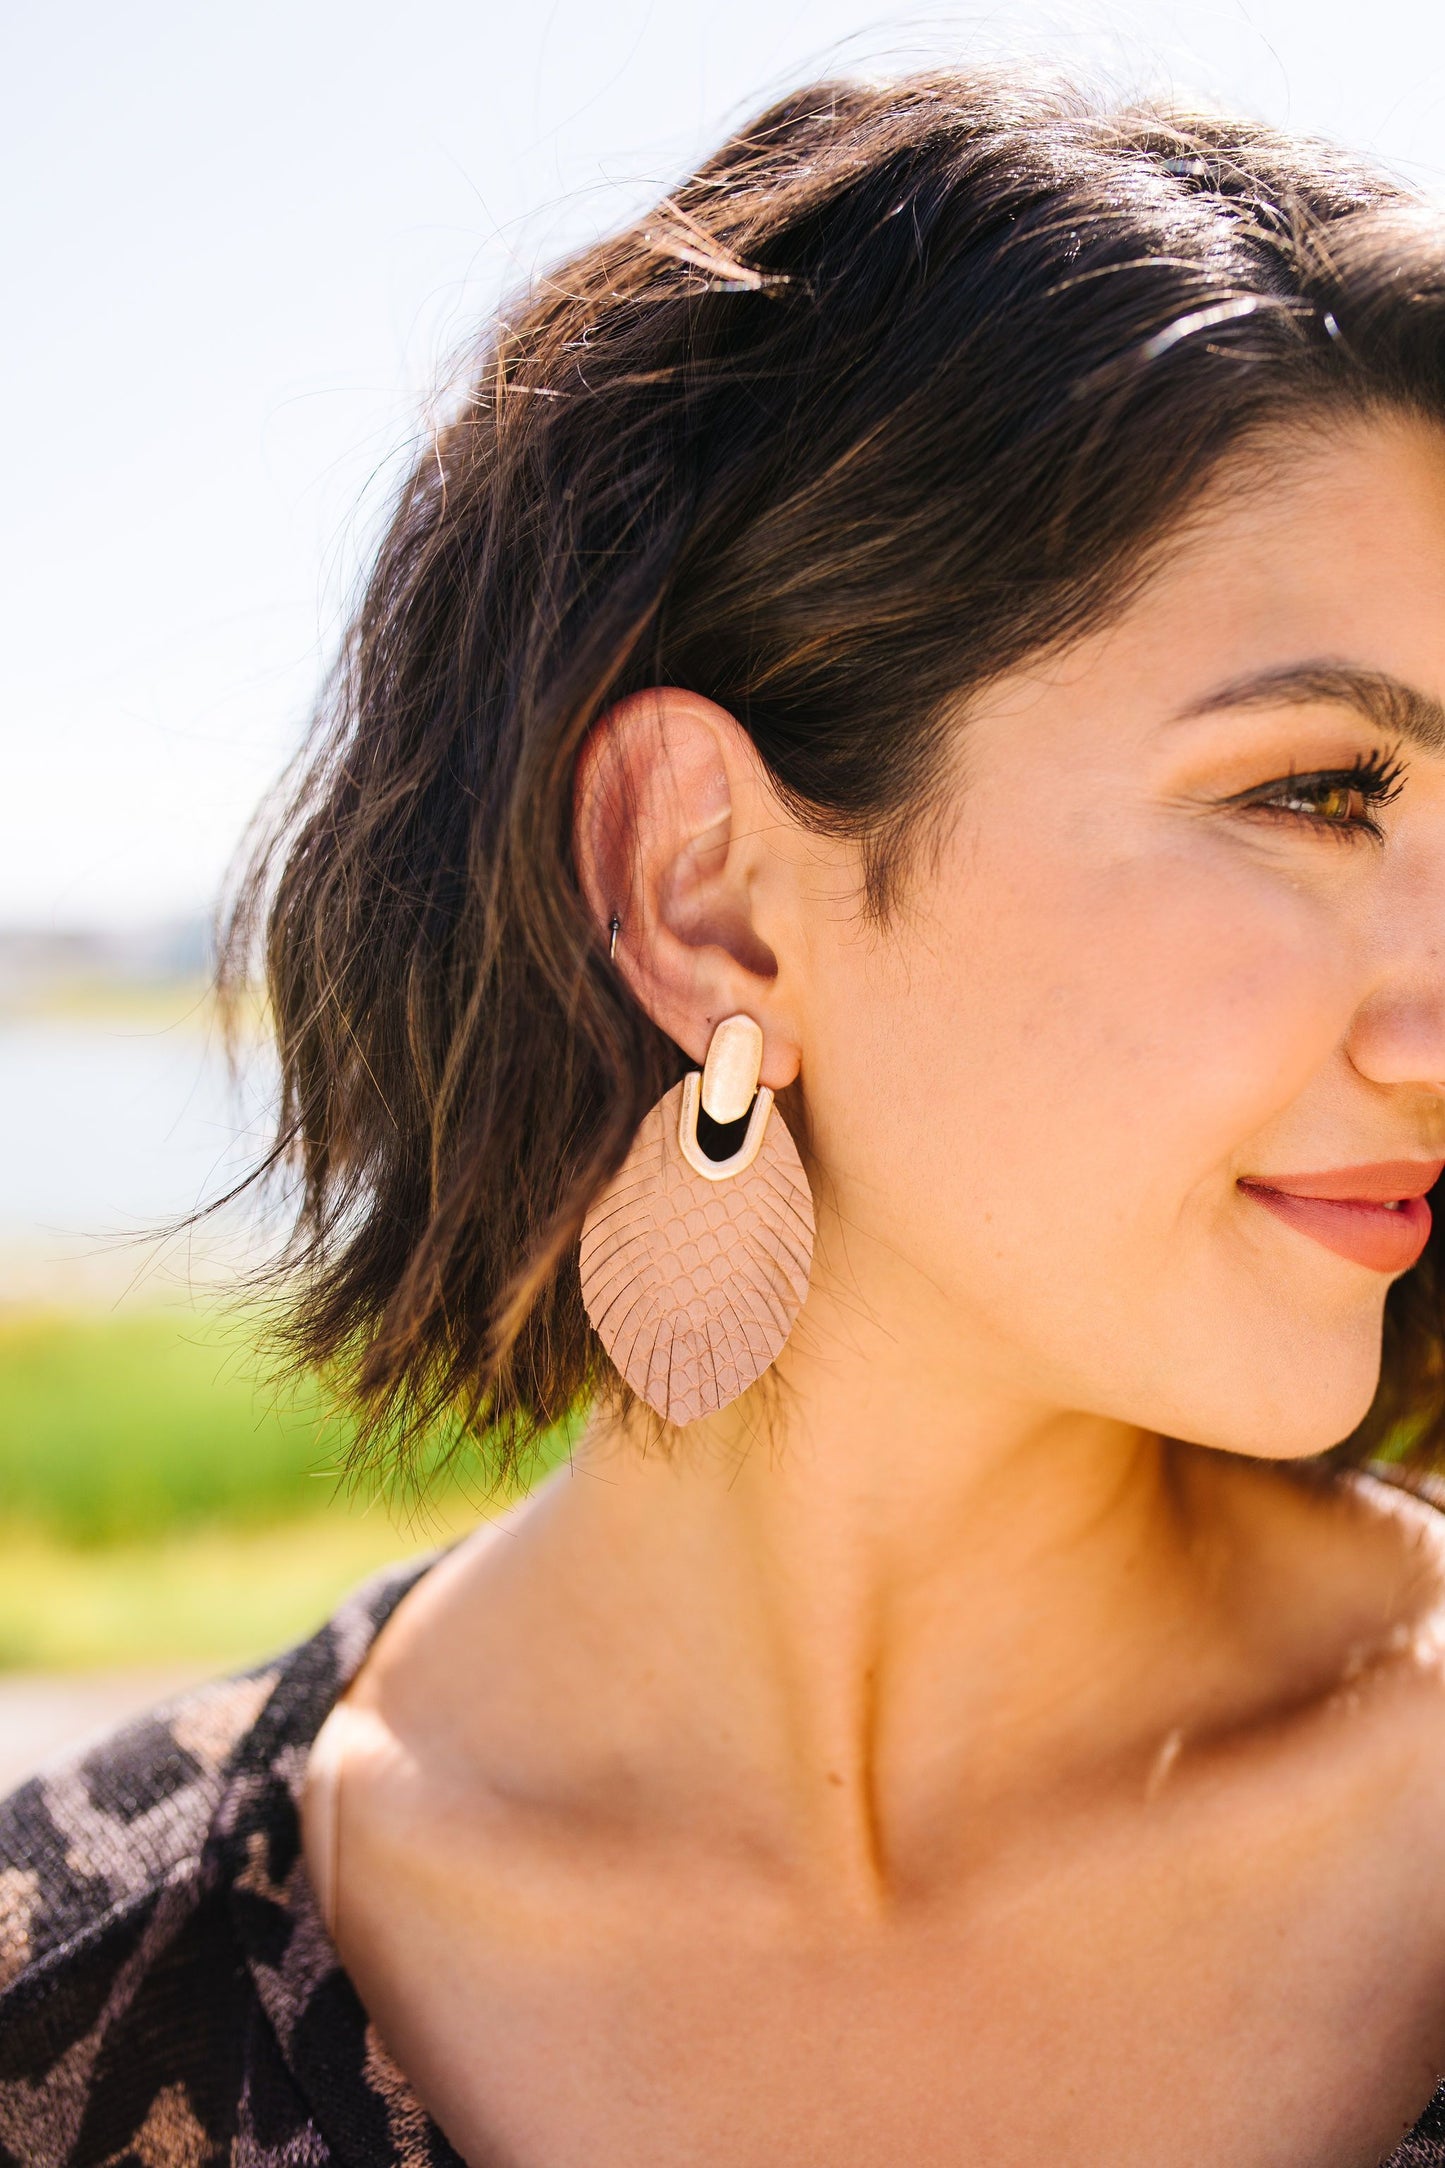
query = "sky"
{"x": 240, "y": 246}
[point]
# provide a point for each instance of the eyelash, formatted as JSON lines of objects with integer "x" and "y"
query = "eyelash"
{"x": 1375, "y": 778}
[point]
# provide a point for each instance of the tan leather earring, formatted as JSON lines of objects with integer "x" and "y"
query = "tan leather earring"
{"x": 694, "y": 1268}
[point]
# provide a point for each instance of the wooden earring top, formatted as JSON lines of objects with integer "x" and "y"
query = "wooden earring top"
{"x": 732, "y": 1069}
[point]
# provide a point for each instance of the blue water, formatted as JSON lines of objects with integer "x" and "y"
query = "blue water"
{"x": 112, "y": 1128}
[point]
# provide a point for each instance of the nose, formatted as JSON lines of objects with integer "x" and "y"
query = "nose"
{"x": 1398, "y": 1042}
{"x": 1397, "y": 1036}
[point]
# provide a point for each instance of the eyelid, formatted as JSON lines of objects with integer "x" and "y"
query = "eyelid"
{"x": 1378, "y": 776}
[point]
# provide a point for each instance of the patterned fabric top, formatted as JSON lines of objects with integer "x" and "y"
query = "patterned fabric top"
{"x": 169, "y": 1997}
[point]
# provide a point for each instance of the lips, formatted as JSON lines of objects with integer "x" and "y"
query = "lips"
{"x": 1376, "y": 1216}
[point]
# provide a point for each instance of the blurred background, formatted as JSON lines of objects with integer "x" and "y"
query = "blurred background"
{"x": 241, "y": 248}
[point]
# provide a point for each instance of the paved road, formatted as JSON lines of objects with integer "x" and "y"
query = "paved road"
{"x": 43, "y": 1714}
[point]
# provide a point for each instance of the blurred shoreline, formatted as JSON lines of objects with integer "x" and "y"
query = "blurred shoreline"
{"x": 170, "y": 1504}
{"x": 122, "y": 1115}
{"x": 45, "y": 968}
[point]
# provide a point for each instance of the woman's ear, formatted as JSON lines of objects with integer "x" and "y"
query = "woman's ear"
{"x": 672, "y": 816}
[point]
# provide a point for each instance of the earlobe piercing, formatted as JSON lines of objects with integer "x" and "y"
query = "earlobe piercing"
{"x": 726, "y": 1088}
{"x": 694, "y": 1269}
{"x": 614, "y": 929}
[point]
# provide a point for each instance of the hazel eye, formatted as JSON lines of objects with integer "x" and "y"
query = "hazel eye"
{"x": 1336, "y": 801}
{"x": 1341, "y": 805}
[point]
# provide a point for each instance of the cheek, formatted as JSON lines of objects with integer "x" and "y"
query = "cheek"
{"x": 1037, "y": 1102}
{"x": 1089, "y": 1044}
{"x": 1157, "y": 1016}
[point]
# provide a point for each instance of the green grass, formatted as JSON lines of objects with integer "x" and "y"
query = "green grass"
{"x": 208, "y": 1599}
{"x": 126, "y": 1426}
{"x": 160, "y": 1502}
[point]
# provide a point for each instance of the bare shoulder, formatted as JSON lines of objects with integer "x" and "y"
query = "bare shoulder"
{"x": 1332, "y": 1746}
{"x": 1372, "y": 1596}
{"x": 394, "y": 1728}
{"x": 1334, "y": 1592}
{"x": 1357, "y": 1557}
{"x": 1386, "y": 1538}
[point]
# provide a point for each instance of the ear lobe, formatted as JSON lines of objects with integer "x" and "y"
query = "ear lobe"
{"x": 658, "y": 844}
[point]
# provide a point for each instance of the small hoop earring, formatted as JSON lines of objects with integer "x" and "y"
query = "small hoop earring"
{"x": 694, "y": 1268}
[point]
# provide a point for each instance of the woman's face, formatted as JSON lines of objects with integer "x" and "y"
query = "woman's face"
{"x": 1184, "y": 942}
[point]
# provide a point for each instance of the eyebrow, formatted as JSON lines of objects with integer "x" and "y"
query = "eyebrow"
{"x": 1393, "y": 706}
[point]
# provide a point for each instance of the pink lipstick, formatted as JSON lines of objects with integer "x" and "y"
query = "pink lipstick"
{"x": 1376, "y": 1216}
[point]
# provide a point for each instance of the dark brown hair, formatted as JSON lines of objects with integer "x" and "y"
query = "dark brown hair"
{"x": 898, "y": 388}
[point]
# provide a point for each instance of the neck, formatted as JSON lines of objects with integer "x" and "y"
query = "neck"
{"x": 890, "y": 1604}
{"x": 844, "y": 1607}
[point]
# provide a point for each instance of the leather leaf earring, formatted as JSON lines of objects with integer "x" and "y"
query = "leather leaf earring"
{"x": 693, "y": 1266}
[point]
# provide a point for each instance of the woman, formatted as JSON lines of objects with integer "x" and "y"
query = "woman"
{"x": 954, "y": 599}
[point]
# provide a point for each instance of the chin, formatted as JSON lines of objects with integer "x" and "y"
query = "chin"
{"x": 1286, "y": 1378}
{"x": 1275, "y": 1388}
{"x": 1295, "y": 1419}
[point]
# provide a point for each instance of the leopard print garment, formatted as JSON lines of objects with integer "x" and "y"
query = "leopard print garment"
{"x": 169, "y": 1997}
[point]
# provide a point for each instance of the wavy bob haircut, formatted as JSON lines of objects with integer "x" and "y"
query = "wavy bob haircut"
{"x": 905, "y": 384}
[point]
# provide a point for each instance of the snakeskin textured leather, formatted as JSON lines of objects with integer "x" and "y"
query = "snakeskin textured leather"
{"x": 693, "y": 1286}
